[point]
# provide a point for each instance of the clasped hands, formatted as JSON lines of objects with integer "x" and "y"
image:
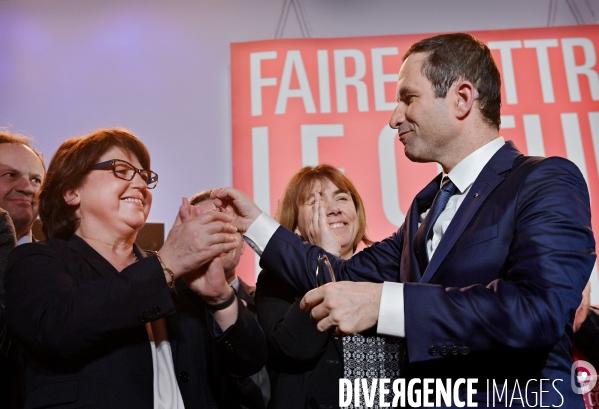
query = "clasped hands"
{"x": 344, "y": 307}
{"x": 193, "y": 248}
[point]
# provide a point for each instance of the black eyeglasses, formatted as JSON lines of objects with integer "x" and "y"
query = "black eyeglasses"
{"x": 126, "y": 171}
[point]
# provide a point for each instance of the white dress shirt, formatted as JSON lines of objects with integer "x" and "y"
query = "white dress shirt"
{"x": 391, "y": 312}
{"x": 28, "y": 238}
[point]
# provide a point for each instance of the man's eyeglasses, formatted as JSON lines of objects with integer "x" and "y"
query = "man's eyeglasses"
{"x": 126, "y": 171}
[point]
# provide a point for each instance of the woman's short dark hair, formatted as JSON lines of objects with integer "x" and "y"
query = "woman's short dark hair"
{"x": 69, "y": 167}
{"x": 299, "y": 187}
{"x": 459, "y": 56}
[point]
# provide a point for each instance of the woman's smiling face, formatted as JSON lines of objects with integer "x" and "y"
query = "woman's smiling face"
{"x": 341, "y": 214}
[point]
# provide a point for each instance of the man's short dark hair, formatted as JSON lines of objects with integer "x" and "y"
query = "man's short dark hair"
{"x": 200, "y": 197}
{"x": 7, "y": 137}
{"x": 459, "y": 56}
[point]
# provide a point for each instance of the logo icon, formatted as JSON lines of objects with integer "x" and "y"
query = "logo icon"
{"x": 585, "y": 374}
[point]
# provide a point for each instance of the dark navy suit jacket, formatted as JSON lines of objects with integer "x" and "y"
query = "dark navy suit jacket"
{"x": 498, "y": 297}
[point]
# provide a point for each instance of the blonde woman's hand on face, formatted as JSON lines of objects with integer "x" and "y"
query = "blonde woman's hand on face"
{"x": 318, "y": 230}
{"x": 196, "y": 239}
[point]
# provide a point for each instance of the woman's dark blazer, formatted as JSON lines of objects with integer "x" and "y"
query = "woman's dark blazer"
{"x": 304, "y": 364}
{"x": 82, "y": 327}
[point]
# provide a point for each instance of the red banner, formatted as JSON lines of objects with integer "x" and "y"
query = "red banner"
{"x": 309, "y": 101}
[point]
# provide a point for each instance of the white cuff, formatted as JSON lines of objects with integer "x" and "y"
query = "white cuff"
{"x": 260, "y": 231}
{"x": 391, "y": 311}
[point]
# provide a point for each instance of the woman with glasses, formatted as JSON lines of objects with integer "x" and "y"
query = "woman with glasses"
{"x": 103, "y": 323}
{"x": 322, "y": 206}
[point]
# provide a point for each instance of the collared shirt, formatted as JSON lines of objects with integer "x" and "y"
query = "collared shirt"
{"x": 235, "y": 284}
{"x": 391, "y": 317}
{"x": 28, "y": 238}
{"x": 463, "y": 176}
{"x": 391, "y": 311}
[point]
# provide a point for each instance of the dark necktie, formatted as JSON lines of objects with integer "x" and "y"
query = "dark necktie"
{"x": 425, "y": 231}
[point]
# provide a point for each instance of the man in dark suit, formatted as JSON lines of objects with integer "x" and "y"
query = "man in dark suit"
{"x": 9, "y": 398}
{"x": 22, "y": 172}
{"x": 8, "y": 241}
{"x": 252, "y": 392}
{"x": 486, "y": 273}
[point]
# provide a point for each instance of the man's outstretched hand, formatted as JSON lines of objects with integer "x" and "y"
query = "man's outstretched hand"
{"x": 237, "y": 205}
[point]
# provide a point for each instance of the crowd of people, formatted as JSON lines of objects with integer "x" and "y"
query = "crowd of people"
{"x": 484, "y": 279}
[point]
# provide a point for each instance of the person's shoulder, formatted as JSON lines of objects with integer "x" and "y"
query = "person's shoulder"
{"x": 556, "y": 168}
{"x": 553, "y": 162}
{"x": 50, "y": 247}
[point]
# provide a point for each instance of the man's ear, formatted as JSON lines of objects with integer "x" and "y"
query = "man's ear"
{"x": 71, "y": 197}
{"x": 465, "y": 94}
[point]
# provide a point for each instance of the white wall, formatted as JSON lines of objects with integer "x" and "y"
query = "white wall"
{"x": 161, "y": 68}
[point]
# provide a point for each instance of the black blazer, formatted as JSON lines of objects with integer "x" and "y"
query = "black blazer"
{"x": 252, "y": 392}
{"x": 304, "y": 364}
{"x": 81, "y": 324}
{"x": 9, "y": 388}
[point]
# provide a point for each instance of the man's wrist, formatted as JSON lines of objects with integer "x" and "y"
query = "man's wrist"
{"x": 217, "y": 304}
{"x": 260, "y": 232}
{"x": 391, "y": 320}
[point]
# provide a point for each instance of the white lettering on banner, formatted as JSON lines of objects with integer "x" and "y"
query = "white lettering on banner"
{"x": 310, "y": 135}
{"x": 507, "y": 67}
{"x": 573, "y": 141}
{"x": 532, "y": 132}
{"x": 260, "y": 175}
{"x": 508, "y": 121}
{"x": 594, "y": 124}
{"x": 388, "y": 173}
{"x": 379, "y": 78}
{"x": 534, "y": 135}
{"x": 342, "y": 81}
{"x": 256, "y": 80}
{"x": 544, "y": 69}
{"x": 293, "y": 62}
{"x": 573, "y": 70}
{"x": 324, "y": 84}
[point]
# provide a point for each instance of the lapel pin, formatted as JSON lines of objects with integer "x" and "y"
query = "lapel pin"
{"x": 476, "y": 195}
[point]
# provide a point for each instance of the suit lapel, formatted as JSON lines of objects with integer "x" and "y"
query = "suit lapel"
{"x": 93, "y": 258}
{"x": 422, "y": 201}
{"x": 492, "y": 175}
